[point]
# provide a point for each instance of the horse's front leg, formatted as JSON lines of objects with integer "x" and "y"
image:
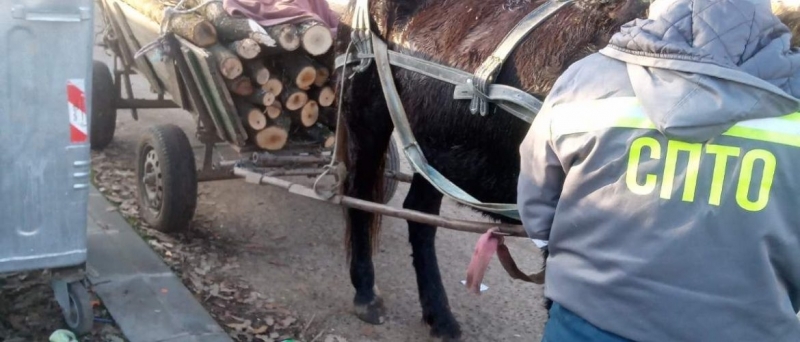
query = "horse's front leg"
{"x": 435, "y": 307}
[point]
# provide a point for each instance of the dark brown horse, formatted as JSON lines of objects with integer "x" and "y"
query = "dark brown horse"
{"x": 479, "y": 154}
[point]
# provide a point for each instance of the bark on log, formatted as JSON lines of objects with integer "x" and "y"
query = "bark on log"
{"x": 293, "y": 98}
{"x": 262, "y": 97}
{"x": 230, "y": 28}
{"x": 240, "y": 86}
{"x": 307, "y": 115}
{"x": 315, "y": 37}
{"x": 189, "y": 26}
{"x": 327, "y": 116}
{"x": 246, "y": 48}
{"x": 321, "y": 134}
{"x": 253, "y": 118}
{"x": 324, "y": 95}
{"x": 298, "y": 70}
{"x": 286, "y": 35}
{"x": 229, "y": 65}
{"x": 276, "y": 134}
{"x": 257, "y": 71}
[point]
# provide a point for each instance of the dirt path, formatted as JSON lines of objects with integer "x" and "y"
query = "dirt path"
{"x": 290, "y": 250}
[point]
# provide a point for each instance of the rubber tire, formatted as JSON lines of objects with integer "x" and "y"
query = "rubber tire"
{"x": 103, "y": 121}
{"x": 79, "y": 295}
{"x": 391, "y": 164}
{"x": 179, "y": 178}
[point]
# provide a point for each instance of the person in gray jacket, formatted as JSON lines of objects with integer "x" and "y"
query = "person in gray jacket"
{"x": 664, "y": 173}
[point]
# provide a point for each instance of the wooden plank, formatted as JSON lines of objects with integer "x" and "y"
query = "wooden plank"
{"x": 124, "y": 15}
{"x": 194, "y": 65}
{"x": 217, "y": 96}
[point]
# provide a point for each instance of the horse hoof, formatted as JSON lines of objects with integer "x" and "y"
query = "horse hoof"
{"x": 372, "y": 312}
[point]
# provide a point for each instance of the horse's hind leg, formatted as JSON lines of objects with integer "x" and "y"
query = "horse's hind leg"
{"x": 369, "y": 129}
{"x": 435, "y": 307}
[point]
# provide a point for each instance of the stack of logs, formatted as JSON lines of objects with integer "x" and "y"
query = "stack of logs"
{"x": 278, "y": 76}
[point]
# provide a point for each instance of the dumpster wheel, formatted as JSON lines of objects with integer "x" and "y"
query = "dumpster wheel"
{"x": 392, "y": 164}
{"x": 104, "y": 111}
{"x": 79, "y": 316}
{"x": 166, "y": 178}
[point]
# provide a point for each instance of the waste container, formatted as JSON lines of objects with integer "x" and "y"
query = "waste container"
{"x": 45, "y": 86}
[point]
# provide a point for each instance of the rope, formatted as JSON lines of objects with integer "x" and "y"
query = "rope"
{"x": 327, "y": 168}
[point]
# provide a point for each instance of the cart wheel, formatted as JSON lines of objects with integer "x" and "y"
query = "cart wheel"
{"x": 104, "y": 111}
{"x": 392, "y": 164}
{"x": 79, "y": 316}
{"x": 166, "y": 178}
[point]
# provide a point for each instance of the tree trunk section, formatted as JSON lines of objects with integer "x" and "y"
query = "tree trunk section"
{"x": 299, "y": 71}
{"x": 246, "y": 48}
{"x": 229, "y": 65}
{"x": 274, "y": 111}
{"x": 240, "y": 86}
{"x": 307, "y": 115}
{"x": 262, "y": 97}
{"x": 231, "y": 29}
{"x": 321, "y": 134}
{"x": 286, "y": 35}
{"x": 293, "y": 98}
{"x": 188, "y": 26}
{"x": 274, "y": 85}
{"x": 276, "y": 134}
{"x": 324, "y": 95}
{"x": 253, "y": 118}
{"x": 315, "y": 37}
{"x": 257, "y": 71}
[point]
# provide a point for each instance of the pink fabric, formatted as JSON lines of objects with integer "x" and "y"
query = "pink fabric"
{"x": 275, "y": 12}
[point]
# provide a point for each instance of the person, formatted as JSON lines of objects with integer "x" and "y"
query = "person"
{"x": 663, "y": 172}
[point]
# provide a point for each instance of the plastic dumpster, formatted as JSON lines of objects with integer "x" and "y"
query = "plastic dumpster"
{"x": 45, "y": 86}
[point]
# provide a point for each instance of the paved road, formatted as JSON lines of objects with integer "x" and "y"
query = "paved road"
{"x": 291, "y": 249}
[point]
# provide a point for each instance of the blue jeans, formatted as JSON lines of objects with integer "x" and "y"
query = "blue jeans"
{"x": 565, "y": 326}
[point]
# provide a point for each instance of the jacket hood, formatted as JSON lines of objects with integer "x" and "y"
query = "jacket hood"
{"x": 700, "y": 66}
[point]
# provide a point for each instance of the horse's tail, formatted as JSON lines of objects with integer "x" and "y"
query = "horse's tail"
{"x": 376, "y": 193}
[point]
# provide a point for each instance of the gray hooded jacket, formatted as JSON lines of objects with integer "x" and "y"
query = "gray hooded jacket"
{"x": 665, "y": 173}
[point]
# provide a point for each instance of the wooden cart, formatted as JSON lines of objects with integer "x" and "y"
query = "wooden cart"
{"x": 166, "y": 172}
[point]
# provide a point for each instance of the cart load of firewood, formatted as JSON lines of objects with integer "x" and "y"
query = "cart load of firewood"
{"x": 276, "y": 76}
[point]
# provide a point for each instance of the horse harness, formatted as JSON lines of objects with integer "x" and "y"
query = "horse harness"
{"x": 477, "y": 87}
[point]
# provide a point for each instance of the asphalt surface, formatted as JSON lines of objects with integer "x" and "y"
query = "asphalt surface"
{"x": 291, "y": 249}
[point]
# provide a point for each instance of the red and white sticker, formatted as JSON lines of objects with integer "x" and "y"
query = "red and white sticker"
{"x": 78, "y": 121}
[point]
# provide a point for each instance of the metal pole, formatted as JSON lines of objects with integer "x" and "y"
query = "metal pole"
{"x": 355, "y": 203}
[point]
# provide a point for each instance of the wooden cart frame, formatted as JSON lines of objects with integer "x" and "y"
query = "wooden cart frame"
{"x": 187, "y": 73}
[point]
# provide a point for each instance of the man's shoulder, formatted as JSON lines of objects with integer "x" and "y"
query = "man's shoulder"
{"x": 593, "y": 77}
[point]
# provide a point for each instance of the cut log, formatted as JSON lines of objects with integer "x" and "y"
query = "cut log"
{"x": 276, "y": 134}
{"x": 286, "y": 35}
{"x": 229, "y": 65}
{"x": 274, "y": 85}
{"x": 257, "y": 71}
{"x": 253, "y": 118}
{"x": 323, "y": 74}
{"x": 324, "y": 95}
{"x": 262, "y": 97}
{"x": 246, "y": 48}
{"x": 293, "y": 98}
{"x": 315, "y": 37}
{"x": 189, "y": 26}
{"x": 308, "y": 115}
{"x": 321, "y": 134}
{"x": 274, "y": 111}
{"x": 230, "y": 28}
{"x": 299, "y": 71}
{"x": 240, "y": 86}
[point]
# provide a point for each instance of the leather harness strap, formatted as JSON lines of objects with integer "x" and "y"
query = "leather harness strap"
{"x": 487, "y": 72}
{"x": 515, "y": 101}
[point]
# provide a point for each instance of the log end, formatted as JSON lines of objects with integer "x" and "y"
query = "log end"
{"x": 296, "y": 100}
{"x": 274, "y": 111}
{"x": 274, "y": 86}
{"x": 256, "y": 120}
{"x": 323, "y": 74}
{"x": 326, "y": 97}
{"x": 317, "y": 40}
{"x": 204, "y": 34}
{"x": 306, "y": 77}
{"x": 272, "y": 138}
{"x": 310, "y": 113}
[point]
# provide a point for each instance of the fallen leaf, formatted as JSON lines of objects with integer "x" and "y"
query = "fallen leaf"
{"x": 240, "y": 326}
{"x": 260, "y": 330}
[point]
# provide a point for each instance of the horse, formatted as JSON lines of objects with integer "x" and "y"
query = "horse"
{"x": 478, "y": 153}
